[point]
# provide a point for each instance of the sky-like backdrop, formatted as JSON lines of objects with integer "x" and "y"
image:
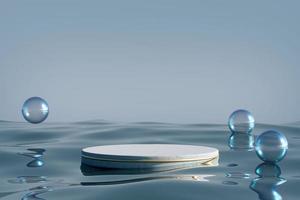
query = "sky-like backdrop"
{"x": 187, "y": 61}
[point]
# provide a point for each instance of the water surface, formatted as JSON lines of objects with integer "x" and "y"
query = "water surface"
{"x": 43, "y": 162}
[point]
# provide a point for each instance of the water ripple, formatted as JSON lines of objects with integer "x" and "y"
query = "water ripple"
{"x": 46, "y": 158}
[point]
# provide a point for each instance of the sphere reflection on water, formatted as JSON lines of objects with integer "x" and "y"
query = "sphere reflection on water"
{"x": 269, "y": 179}
{"x": 36, "y": 154}
{"x": 241, "y": 141}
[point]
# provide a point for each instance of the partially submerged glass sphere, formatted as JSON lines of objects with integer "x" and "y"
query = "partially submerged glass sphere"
{"x": 241, "y": 121}
{"x": 35, "y": 110}
{"x": 271, "y": 146}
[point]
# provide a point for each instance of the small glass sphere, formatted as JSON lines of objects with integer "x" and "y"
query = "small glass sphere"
{"x": 35, "y": 110}
{"x": 241, "y": 121}
{"x": 271, "y": 146}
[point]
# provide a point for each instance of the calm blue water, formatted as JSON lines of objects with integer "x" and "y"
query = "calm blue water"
{"x": 43, "y": 162}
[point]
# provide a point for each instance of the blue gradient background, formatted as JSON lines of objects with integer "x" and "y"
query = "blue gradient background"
{"x": 170, "y": 61}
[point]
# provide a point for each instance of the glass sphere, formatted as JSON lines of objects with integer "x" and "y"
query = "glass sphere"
{"x": 35, "y": 110}
{"x": 241, "y": 121}
{"x": 271, "y": 146}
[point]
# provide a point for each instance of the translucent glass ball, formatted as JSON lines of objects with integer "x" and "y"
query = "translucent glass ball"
{"x": 271, "y": 146}
{"x": 35, "y": 110}
{"x": 241, "y": 121}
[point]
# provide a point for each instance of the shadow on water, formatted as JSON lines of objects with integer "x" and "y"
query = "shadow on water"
{"x": 28, "y": 179}
{"x": 33, "y": 194}
{"x": 144, "y": 175}
{"x": 87, "y": 170}
{"x": 265, "y": 185}
{"x": 150, "y": 178}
